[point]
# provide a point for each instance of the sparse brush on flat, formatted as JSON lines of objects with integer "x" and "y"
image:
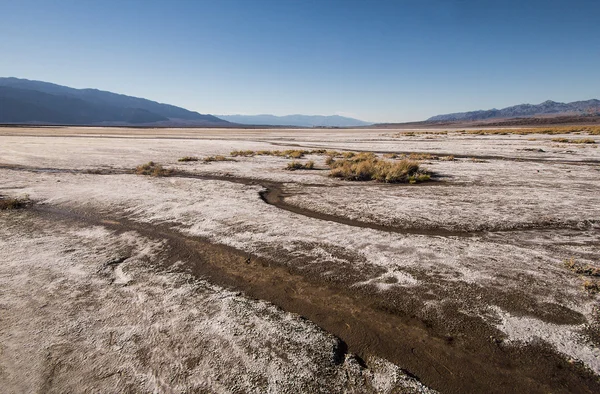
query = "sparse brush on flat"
{"x": 417, "y": 156}
{"x": 289, "y": 153}
{"x": 296, "y": 165}
{"x": 367, "y": 167}
{"x": 583, "y": 141}
{"x": 243, "y": 153}
{"x": 578, "y": 141}
{"x": 13, "y": 203}
{"x": 153, "y": 169}
{"x": 594, "y": 130}
{"x": 586, "y": 270}
{"x": 590, "y": 285}
{"x": 420, "y": 156}
{"x": 188, "y": 158}
{"x": 216, "y": 158}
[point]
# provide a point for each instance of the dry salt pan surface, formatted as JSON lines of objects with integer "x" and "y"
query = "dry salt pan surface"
{"x": 510, "y": 226}
{"x": 83, "y": 312}
{"x": 497, "y": 195}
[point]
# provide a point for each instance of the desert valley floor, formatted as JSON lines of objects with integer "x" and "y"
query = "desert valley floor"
{"x": 237, "y": 275}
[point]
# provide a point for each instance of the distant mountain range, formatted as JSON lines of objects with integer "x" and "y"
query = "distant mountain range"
{"x": 34, "y": 102}
{"x": 295, "y": 120}
{"x": 525, "y": 110}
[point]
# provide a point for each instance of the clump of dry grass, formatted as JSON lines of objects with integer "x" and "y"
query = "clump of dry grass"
{"x": 594, "y": 130}
{"x": 366, "y": 167}
{"x": 333, "y": 153}
{"x": 591, "y": 286}
{"x": 289, "y": 153}
{"x": 243, "y": 153}
{"x": 153, "y": 169}
{"x": 13, "y": 203}
{"x": 417, "y": 156}
{"x": 216, "y": 158}
{"x": 188, "y": 158}
{"x": 294, "y": 154}
{"x": 583, "y": 141}
{"x": 296, "y": 165}
{"x": 579, "y": 141}
{"x": 580, "y": 269}
{"x": 420, "y": 156}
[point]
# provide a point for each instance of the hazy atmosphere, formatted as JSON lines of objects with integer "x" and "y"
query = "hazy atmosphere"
{"x": 381, "y": 61}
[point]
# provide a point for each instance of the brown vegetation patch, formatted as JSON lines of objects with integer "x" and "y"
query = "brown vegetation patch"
{"x": 295, "y": 165}
{"x": 188, "y": 158}
{"x": 153, "y": 169}
{"x": 216, "y": 158}
{"x": 579, "y": 141}
{"x": 537, "y": 130}
{"x": 592, "y": 130}
{"x": 13, "y": 203}
{"x": 289, "y": 153}
{"x": 591, "y": 286}
{"x": 581, "y": 269}
{"x": 367, "y": 167}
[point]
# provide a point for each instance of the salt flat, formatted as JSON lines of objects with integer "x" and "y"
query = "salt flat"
{"x": 461, "y": 281}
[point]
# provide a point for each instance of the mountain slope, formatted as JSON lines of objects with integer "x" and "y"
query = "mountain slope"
{"x": 30, "y": 106}
{"x": 295, "y": 120}
{"x": 523, "y": 110}
{"x": 25, "y": 101}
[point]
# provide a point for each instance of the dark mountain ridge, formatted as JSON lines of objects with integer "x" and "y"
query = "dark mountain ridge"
{"x": 36, "y": 102}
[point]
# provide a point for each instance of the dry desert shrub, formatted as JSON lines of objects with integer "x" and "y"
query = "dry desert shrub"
{"x": 289, "y": 153}
{"x": 447, "y": 158}
{"x": 579, "y": 141}
{"x": 243, "y": 153}
{"x": 421, "y": 156}
{"x": 366, "y": 167}
{"x": 13, "y": 203}
{"x": 591, "y": 286}
{"x": 580, "y": 269}
{"x": 294, "y": 154}
{"x": 295, "y": 165}
{"x": 216, "y": 158}
{"x": 153, "y": 169}
{"x": 583, "y": 141}
{"x": 188, "y": 158}
{"x": 592, "y": 130}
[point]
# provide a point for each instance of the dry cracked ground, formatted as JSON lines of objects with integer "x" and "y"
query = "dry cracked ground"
{"x": 240, "y": 276}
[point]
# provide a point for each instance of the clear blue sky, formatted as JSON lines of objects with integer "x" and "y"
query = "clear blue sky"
{"x": 375, "y": 60}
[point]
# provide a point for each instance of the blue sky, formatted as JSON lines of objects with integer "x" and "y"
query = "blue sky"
{"x": 376, "y": 60}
